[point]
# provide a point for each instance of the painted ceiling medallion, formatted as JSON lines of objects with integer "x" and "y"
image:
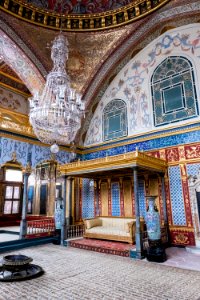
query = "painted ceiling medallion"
{"x": 80, "y": 15}
{"x": 80, "y": 6}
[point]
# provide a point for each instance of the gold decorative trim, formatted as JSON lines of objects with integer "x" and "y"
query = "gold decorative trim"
{"x": 11, "y": 77}
{"x": 86, "y": 22}
{"x": 185, "y": 161}
{"x": 12, "y": 89}
{"x": 181, "y": 228}
{"x": 117, "y": 162}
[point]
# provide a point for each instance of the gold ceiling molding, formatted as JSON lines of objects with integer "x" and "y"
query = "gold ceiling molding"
{"x": 116, "y": 162}
{"x": 85, "y": 22}
{"x": 12, "y": 89}
{"x": 15, "y": 122}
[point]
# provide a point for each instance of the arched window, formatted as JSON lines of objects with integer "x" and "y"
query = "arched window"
{"x": 173, "y": 91}
{"x": 114, "y": 120}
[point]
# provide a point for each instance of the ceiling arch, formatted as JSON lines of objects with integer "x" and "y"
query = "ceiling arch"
{"x": 14, "y": 57}
{"x": 120, "y": 57}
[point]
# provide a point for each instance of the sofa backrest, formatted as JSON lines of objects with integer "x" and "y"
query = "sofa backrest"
{"x": 120, "y": 223}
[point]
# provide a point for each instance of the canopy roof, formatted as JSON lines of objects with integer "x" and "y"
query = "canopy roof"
{"x": 122, "y": 164}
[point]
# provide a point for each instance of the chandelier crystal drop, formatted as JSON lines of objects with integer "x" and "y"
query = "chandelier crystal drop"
{"x": 56, "y": 113}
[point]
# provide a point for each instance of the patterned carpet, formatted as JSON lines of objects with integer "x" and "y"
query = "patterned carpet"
{"x": 74, "y": 274}
{"x": 116, "y": 248}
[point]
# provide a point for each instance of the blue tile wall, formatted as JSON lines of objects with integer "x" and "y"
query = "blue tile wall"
{"x": 156, "y": 143}
{"x": 142, "y": 199}
{"x": 87, "y": 199}
{"x": 115, "y": 194}
{"x": 177, "y": 201}
{"x": 193, "y": 169}
{"x": 28, "y": 152}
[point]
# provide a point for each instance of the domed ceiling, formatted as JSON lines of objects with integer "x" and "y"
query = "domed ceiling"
{"x": 80, "y": 6}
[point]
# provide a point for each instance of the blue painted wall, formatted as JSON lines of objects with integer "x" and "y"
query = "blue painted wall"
{"x": 27, "y": 152}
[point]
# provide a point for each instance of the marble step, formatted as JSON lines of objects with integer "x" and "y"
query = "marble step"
{"x": 193, "y": 249}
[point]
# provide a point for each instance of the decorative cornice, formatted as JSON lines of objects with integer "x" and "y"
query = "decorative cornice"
{"x": 181, "y": 228}
{"x": 86, "y": 22}
{"x": 154, "y": 134}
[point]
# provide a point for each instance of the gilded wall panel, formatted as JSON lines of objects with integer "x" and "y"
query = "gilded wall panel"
{"x": 104, "y": 198}
{"x": 128, "y": 206}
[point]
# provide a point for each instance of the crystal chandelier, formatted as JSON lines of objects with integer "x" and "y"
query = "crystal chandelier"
{"x": 55, "y": 114}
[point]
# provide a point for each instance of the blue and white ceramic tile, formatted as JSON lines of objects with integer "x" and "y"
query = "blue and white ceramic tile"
{"x": 142, "y": 200}
{"x": 28, "y": 153}
{"x": 87, "y": 199}
{"x": 176, "y": 192}
{"x": 115, "y": 194}
{"x": 193, "y": 169}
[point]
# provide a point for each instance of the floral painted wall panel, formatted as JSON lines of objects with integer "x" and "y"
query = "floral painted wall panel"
{"x": 133, "y": 83}
{"x": 28, "y": 152}
{"x": 13, "y": 101}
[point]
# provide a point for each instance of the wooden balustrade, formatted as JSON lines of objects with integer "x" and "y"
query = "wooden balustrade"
{"x": 73, "y": 231}
{"x": 40, "y": 228}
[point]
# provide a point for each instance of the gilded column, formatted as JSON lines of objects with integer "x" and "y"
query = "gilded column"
{"x": 95, "y": 199}
{"x": 146, "y": 183}
{"x": 133, "y": 196}
{"x": 99, "y": 198}
{"x": 161, "y": 200}
{"x": 109, "y": 197}
{"x": 36, "y": 203}
{"x": 51, "y": 189}
{"x": 63, "y": 223}
{"x": 70, "y": 218}
{"x": 121, "y": 196}
{"x": 23, "y": 223}
{"x": 168, "y": 200}
{"x": 80, "y": 198}
{"x": 138, "y": 234}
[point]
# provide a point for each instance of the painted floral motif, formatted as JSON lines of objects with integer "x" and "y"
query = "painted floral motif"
{"x": 192, "y": 151}
{"x": 13, "y": 101}
{"x": 132, "y": 84}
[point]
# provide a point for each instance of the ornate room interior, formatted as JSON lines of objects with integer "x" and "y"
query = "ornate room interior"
{"x": 96, "y": 129}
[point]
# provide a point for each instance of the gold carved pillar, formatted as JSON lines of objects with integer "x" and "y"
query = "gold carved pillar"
{"x": 121, "y": 196}
{"x": 36, "y": 200}
{"x": 109, "y": 198}
{"x": 51, "y": 189}
{"x": 45, "y": 188}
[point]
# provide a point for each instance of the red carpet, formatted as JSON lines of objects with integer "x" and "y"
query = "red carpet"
{"x": 115, "y": 248}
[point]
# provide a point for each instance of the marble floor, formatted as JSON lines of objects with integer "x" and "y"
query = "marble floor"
{"x": 10, "y": 233}
{"x": 180, "y": 258}
{"x": 74, "y": 274}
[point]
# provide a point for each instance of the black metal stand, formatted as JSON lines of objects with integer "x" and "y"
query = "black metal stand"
{"x": 156, "y": 251}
